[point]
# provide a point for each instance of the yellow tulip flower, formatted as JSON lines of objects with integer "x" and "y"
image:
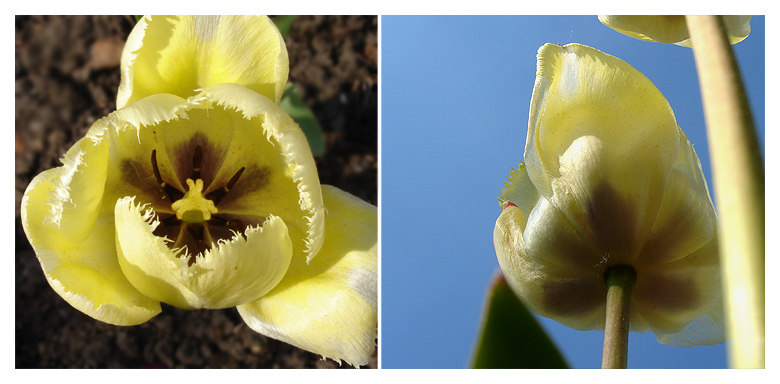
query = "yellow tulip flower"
{"x": 671, "y": 29}
{"x": 212, "y": 201}
{"x": 609, "y": 179}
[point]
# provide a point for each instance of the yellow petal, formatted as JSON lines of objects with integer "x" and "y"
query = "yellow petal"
{"x": 281, "y": 130}
{"x": 519, "y": 190}
{"x": 595, "y": 124}
{"x": 671, "y": 29}
{"x": 679, "y": 295}
{"x": 329, "y": 306}
{"x": 547, "y": 235}
{"x": 572, "y": 294}
{"x": 672, "y": 295}
{"x": 180, "y": 54}
{"x": 75, "y": 244}
{"x": 74, "y": 204}
{"x": 707, "y": 329}
{"x": 686, "y": 219}
{"x": 231, "y": 273}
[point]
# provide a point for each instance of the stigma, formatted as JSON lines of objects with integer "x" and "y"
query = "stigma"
{"x": 193, "y": 207}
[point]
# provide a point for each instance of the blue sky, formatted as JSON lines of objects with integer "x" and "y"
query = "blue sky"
{"x": 455, "y": 99}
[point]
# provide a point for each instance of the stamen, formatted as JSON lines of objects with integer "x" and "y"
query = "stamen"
{"x": 170, "y": 192}
{"x": 197, "y": 159}
{"x": 217, "y": 194}
{"x": 233, "y": 181}
{"x": 156, "y": 169}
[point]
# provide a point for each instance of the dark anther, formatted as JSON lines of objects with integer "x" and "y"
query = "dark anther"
{"x": 156, "y": 170}
{"x": 233, "y": 180}
{"x": 217, "y": 194}
{"x": 171, "y": 193}
{"x": 197, "y": 158}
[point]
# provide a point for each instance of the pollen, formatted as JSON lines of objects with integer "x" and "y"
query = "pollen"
{"x": 194, "y": 207}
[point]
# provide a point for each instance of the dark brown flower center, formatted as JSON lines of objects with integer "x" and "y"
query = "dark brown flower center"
{"x": 196, "y": 223}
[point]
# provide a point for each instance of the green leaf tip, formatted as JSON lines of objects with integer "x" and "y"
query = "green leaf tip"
{"x": 304, "y": 117}
{"x": 284, "y": 23}
{"x": 510, "y": 336}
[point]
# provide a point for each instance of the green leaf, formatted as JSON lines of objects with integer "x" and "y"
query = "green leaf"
{"x": 284, "y": 23}
{"x": 297, "y": 109}
{"x": 510, "y": 336}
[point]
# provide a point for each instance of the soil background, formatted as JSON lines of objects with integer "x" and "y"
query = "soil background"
{"x": 67, "y": 74}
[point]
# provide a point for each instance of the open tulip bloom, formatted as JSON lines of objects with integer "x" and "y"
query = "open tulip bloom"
{"x": 201, "y": 192}
{"x": 609, "y": 179}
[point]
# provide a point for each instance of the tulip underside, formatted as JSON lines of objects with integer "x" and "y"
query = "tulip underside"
{"x": 609, "y": 179}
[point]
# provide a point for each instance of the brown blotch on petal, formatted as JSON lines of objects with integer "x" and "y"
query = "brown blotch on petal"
{"x": 139, "y": 181}
{"x": 613, "y": 222}
{"x": 197, "y": 160}
{"x": 680, "y": 230}
{"x": 568, "y": 297}
{"x": 668, "y": 293}
{"x": 252, "y": 179}
{"x": 209, "y": 156}
{"x": 257, "y": 178}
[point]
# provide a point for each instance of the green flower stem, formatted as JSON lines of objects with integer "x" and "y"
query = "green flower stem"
{"x": 738, "y": 176}
{"x": 620, "y": 282}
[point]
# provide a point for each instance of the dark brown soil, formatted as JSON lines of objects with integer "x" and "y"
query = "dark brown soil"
{"x": 67, "y": 74}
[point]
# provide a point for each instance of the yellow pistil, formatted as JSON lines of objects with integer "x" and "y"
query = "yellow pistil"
{"x": 193, "y": 207}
